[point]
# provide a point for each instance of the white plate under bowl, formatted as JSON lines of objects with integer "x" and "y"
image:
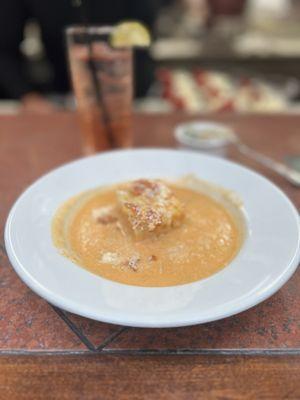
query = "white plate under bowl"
{"x": 267, "y": 260}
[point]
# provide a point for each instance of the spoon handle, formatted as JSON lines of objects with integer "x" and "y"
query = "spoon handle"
{"x": 290, "y": 174}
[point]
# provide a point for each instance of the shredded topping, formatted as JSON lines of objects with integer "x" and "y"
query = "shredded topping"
{"x": 104, "y": 215}
{"x": 111, "y": 258}
{"x": 133, "y": 262}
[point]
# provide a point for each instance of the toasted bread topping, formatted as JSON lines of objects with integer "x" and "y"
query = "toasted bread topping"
{"x": 150, "y": 206}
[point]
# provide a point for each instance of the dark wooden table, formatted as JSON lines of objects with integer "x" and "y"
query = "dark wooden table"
{"x": 48, "y": 353}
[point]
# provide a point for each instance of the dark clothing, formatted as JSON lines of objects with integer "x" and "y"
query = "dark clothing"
{"x": 53, "y": 16}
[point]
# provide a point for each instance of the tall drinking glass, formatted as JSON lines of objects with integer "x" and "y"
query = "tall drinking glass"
{"x": 102, "y": 80}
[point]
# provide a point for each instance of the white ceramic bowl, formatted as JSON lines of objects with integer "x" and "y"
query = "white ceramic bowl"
{"x": 206, "y": 136}
{"x": 267, "y": 260}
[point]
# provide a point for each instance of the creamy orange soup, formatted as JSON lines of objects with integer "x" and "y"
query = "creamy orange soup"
{"x": 207, "y": 239}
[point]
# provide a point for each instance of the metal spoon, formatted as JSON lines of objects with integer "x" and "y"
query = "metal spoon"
{"x": 290, "y": 174}
{"x": 195, "y": 134}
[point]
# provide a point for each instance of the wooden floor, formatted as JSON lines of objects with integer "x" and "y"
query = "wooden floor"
{"x": 149, "y": 377}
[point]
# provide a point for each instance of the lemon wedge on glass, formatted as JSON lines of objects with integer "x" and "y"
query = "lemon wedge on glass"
{"x": 130, "y": 34}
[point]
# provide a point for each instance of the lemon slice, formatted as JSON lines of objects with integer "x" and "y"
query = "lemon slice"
{"x": 130, "y": 34}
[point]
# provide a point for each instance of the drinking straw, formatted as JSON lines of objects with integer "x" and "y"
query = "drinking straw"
{"x": 84, "y": 13}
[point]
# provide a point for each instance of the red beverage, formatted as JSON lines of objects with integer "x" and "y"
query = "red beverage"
{"x": 103, "y": 86}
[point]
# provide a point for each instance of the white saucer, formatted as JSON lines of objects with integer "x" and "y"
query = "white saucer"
{"x": 267, "y": 260}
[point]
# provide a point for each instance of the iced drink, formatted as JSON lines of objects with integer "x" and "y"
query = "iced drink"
{"x": 102, "y": 82}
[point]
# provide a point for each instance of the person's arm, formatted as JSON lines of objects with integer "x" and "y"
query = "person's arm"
{"x": 13, "y": 82}
{"x": 12, "y": 18}
{"x": 144, "y": 11}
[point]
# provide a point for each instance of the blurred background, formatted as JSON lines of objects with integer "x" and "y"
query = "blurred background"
{"x": 207, "y": 55}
